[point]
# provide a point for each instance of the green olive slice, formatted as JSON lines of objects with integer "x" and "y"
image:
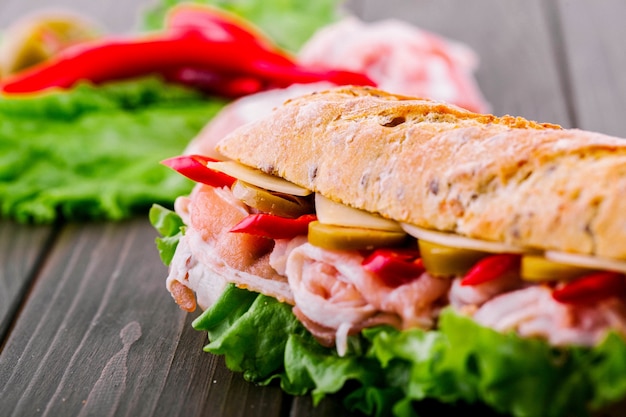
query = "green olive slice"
{"x": 538, "y": 268}
{"x": 440, "y": 260}
{"x": 284, "y": 205}
{"x": 334, "y": 237}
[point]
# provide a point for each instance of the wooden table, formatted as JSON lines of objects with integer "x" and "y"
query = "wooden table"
{"x": 87, "y": 326}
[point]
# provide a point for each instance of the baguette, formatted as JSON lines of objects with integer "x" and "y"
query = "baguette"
{"x": 436, "y": 166}
{"x": 485, "y": 261}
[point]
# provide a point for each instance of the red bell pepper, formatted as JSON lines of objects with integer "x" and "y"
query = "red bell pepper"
{"x": 194, "y": 167}
{"x": 591, "y": 288}
{"x": 490, "y": 268}
{"x": 394, "y": 266}
{"x": 274, "y": 227}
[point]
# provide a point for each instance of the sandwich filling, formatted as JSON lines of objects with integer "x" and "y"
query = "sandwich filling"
{"x": 344, "y": 269}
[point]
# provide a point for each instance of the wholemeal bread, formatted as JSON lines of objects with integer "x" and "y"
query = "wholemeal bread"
{"x": 440, "y": 167}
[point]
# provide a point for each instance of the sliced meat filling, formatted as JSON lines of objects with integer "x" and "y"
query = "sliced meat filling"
{"x": 209, "y": 256}
{"x": 334, "y": 293}
{"x": 334, "y": 296}
{"x": 512, "y": 305}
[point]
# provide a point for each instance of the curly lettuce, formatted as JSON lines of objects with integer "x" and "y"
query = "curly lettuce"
{"x": 460, "y": 367}
{"x": 170, "y": 227}
{"x": 92, "y": 152}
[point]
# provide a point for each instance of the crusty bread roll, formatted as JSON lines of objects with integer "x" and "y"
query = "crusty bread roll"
{"x": 440, "y": 167}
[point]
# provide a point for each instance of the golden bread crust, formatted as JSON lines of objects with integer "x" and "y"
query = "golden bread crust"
{"x": 440, "y": 167}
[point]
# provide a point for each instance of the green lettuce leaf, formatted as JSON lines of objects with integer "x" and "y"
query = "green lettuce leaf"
{"x": 93, "y": 152}
{"x": 290, "y": 23}
{"x": 171, "y": 228}
{"x": 465, "y": 362}
{"x": 261, "y": 337}
{"x": 253, "y": 337}
{"x": 413, "y": 372}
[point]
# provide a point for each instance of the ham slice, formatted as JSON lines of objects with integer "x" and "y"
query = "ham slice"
{"x": 399, "y": 58}
{"x": 208, "y": 256}
{"x": 333, "y": 292}
{"x": 472, "y": 296}
{"x": 532, "y": 312}
{"x": 282, "y": 250}
{"x": 188, "y": 276}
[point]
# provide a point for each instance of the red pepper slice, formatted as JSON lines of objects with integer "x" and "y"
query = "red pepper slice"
{"x": 218, "y": 23}
{"x": 194, "y": 167}
{"x": 107, "y": 60}
{"x": 490, "y": 268}
{"x": 215, "y": 83}
{"x": 591, "y": 288}
{"x": 274, "y": 227}
{"x": 395, "y": 266}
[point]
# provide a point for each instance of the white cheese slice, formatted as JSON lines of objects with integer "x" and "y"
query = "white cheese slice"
{"x": 457, "y": 241}
{"x": 587, "y": 261}
{"x": 259, "y": 178}
{"x": 337, "y": 214}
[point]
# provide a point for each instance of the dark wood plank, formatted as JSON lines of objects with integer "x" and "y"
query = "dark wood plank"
{"x": 21, "y": 248}
{"x": 518, "y": 70}
{"x": 199, "y": 384}
{"x": 99, "y": 333}
{"x": 81, "y": 322}
{"x": 596, "y": 60}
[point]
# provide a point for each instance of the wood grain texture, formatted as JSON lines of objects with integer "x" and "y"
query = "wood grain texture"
{"x": 595, "y": 59}
{"x": 21, "y": 249}
{"x": 100, "y": 280}
{"x": 100, "y": 335}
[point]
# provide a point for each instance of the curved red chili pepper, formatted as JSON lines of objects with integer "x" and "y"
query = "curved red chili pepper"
{"x": 281, "y": 68}
{"x": 223, "y": 85}
{"x": 222, "y": 57}
{"x": 110, "y": 60}
{"x": 219, "y": 24}
{"x": 194, "y": 167}
{"x": 490, "y": 268}
{"x": 394, "y": 266}
{"x": 274, "y": 227}
{"x": 591, "y": 288}
{"x": 106, "y": 60}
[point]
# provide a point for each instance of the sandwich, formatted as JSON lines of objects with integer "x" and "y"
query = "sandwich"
{"x": 398, "y": 250}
